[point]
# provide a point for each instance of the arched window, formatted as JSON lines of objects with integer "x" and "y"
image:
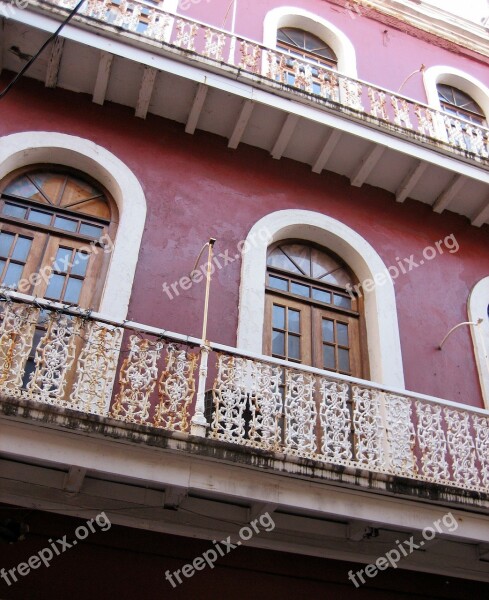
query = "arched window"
{"x": 303, "y": 44}
{"x": 311, "y": 317}
{"x": 309, "y": 57}
{"x": 458, "y": 103}
{"x": 54, "y": 227}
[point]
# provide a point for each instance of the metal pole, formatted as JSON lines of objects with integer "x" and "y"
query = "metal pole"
{"x": 199, "y": 424}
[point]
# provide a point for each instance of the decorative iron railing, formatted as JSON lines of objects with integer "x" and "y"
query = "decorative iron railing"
{"x": 359, "y": 99}
{"x": 137, "y": 374}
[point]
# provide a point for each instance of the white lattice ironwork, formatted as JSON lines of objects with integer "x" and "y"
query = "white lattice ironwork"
{"x": 137, "y": 381}
{"x": 54, "y": 358}
{"x": 461, "y": 447}
{"x": 329, "y": 85}
{"x": 186, "y": 33}
{"x": 352, "y": 94}
{"x": 96, "y": 369}
{"x": 432, "y": 441}
{"x": 455, "y": 132}
{"x": 401, "y": 436}
{"x": 335, "y": 420}
{"x": 368, "y": 427}
{"x": 230, "y": 400}
{"x": 250, "y": 57}
{"x": 300, "y": 414}
{"x": 17, "y": 327}
{"x": 378, "y": 102}
{"x": 266, "y": 406}
{"x": 276, "y": 66}
{"x": 176, "y": 390}
{"x": 426, "y": 121}
{"x": 401, "y": 112}
{"x": 158, "y": 26}
{"x": 476, "y": 141}
{"x": 214, "y": 44}
{"x": 481, "y": 428}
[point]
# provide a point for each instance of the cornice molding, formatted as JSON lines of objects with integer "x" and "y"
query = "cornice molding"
{"x": 435, "y": 21}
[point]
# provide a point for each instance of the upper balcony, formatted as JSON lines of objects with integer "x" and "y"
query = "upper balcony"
{"x": 210, "y": 79}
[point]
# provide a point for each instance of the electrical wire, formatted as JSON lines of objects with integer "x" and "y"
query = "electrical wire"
{"x": 40, "y": 51}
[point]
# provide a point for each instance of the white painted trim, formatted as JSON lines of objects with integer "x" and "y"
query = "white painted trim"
{"x": 384, "y": 347}
{"x": 21, "y": 149}
{"x": 291, "y": 16}
{"x": 459, "y": 79}
{"x": 477, "y": 309}
{"x": 170, "y": 5}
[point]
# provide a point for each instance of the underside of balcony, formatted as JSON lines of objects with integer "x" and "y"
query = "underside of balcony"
{"x": 381, "y": 147}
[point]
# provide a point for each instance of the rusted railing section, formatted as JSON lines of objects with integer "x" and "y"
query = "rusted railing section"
{"x": 363, "y": 100}
{"x": 137, "y": 374}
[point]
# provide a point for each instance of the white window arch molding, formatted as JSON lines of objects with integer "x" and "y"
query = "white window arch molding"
{"x": 290, "y": 16}
{"x": 477, "y": 309}
{"x": 458, "y": 79}
{"x": 34, "y": 147}
{"x": 384, "y": 348}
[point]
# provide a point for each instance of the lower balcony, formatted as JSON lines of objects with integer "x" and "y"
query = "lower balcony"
{"x": 268, "y": 409}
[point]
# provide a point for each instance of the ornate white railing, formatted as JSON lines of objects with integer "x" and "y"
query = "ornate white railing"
{"x": 137, "y": 374}
{"x": 358, "y": 98}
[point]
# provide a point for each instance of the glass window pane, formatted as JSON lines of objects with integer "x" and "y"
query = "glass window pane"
{"x": 344, "y": 359}
{"x": 73, "y": 290}
{"x": 342, "y": 301}
{"x": 328, "y": 330}
{"x": 55, "y": 287}
{"x": 278, "y": 343}
{"x": 13, "y": 275}
{"x": 91, "y": 230}
{"x": 80, "y": 264}
{"x": 294, "y": 347}
{"x": 294, "y": 321}
{"x": 2, "y": 265}
{"x": 22, "y": 248}
{"x": 278, "y": 283}
{"x": 37, "y": 216}
{"x": 66, "y": 224}
{"x": 22, "y": 187}
{"x": 6, "y": 240}
{"x": 300, "y": 290}
{"x": 342, "y": 334}
{"x": 328, "y": 357}
{"x": 321, "y": 295}
{"x": 12, "y": 210}
{"x": 63, "y": 260}
{"x": 278, "y": 317}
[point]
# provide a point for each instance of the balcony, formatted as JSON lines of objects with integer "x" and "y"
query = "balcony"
{"x": 206, "y": 78}
{"x": 324, "y": 87}
{"x": 151, "y": 381}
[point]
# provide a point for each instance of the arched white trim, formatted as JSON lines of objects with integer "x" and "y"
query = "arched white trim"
{"x": 290, "y": 16}
{"x": 477, "y": 309}
{"x": 463, "y": 81}
{"x": 22, "y": 149}
{"x": 384, "y": 346}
